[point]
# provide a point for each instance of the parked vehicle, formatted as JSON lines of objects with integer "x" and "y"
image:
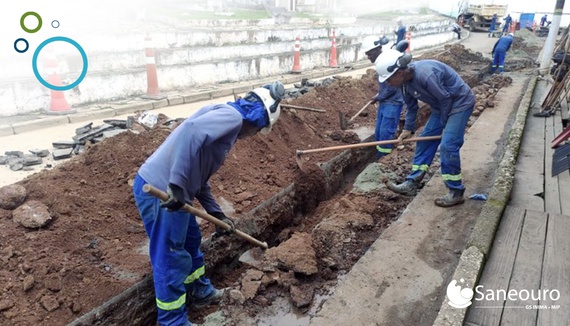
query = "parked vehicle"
{"x": 479, "y": 16}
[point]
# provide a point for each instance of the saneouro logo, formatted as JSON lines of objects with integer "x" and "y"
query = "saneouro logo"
{"x": 459, "y": 295}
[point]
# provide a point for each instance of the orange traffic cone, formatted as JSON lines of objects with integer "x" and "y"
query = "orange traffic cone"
{"x": 332, "y": 62}
{"x": 58, "y": 103}
{"x": 409, "y": 39}
{"x": 297, "y": 58}
{"x": 152, "y": 91}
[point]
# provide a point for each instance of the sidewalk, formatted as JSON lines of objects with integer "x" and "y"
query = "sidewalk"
{"x": 23, "y": 123}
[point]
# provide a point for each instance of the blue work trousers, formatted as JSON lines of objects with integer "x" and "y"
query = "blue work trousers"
{"x": 175, "y": 255}
{"x": 450, "y": 145}
{"x": 498, "y": 61}
{"x": 386, "y": 125}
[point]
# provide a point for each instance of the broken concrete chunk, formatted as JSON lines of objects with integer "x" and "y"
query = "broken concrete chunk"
{"x": 95, "y": 132}
{"x": 28, "y": 160}
{"x": 296, "y": 254}
{"x": 3, "y": 160}
{"x": 16, "y": 166}
{"x": 64, "y": 144}
{"x": 32, "y": 214}
{"x": 14, "y": 153}
{"x": 12, "y": 196}
{"x": 84, "y": 129}
{"x": 113, "y": 132}
{"x": 60, "y": 154}
{"x": 117, "y": 123}
{"x": 40, "y": 152}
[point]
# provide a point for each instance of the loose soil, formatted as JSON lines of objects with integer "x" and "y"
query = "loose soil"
{"x": 94, "y": 246}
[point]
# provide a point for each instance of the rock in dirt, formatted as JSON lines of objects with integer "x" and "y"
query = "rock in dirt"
{"x": 6, "y": 304}
{"x": 296, "y": 254}
{"x": 12, "y": 196}
{"x": 49, "y": 303}
{"x": 33, "y": 214}
{"x": 302, "y": 296}
{"x": 28, "y": 283}
{"x": 250, "y": 283}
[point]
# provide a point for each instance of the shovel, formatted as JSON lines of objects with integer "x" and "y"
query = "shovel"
{"x": 344, "y": 123}
{"x": 359, "y": 145}
{"x": 163, "y": 196}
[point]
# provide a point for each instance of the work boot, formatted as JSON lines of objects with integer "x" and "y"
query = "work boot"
{"x": 452, "y": 198}
{"x": 215, "y": 297}
{"x": 408, "y": 187}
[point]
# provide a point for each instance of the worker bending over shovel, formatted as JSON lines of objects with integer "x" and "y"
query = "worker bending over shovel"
{"x": 182, "y": 166}
{"x": 451, "y": 102}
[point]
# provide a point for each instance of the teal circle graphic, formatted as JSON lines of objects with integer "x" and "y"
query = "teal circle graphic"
{"x": 35, "y": 63}
{"x": 31, "y": 13}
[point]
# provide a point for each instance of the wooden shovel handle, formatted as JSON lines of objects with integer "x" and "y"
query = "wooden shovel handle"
{"x": 360, "y": 111}
{"x": 367, "y": 144}
{"x": 163, "y": 196}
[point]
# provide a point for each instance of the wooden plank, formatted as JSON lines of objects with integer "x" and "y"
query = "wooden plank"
{"x": 498, "y": 268}
{"x": 526, "y": 186}
{"x": 551, "y": 192}
{"x": 531, "y": 153}
{"x": 527, "y": 271}
{"x": 563, "y": 178}
{"x": 556, "y": 272}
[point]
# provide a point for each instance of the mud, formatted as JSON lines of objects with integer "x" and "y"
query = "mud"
{"x": 94, "y": 247}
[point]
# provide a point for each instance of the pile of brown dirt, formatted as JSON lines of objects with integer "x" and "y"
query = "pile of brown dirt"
{"x": 93, "y": 248}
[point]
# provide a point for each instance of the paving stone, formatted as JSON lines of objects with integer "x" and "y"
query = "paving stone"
{"x": 64, "y": 144}
{"x": 84, "y": 129}
{"x": 60, "y": 154}
{"x": 14, "y": 153}
{"x": 40, "y": 152}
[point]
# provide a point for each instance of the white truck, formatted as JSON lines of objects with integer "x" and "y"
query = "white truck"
{"x": 478, "y": 16}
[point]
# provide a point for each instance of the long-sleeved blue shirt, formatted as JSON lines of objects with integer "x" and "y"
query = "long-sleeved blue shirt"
{"x": 503, "y": 44}
{"x": 389, "y": 94}
{"x": 438, "y": 85}
{"x": 193, "y": 152}
{"x": 400, "y": 33}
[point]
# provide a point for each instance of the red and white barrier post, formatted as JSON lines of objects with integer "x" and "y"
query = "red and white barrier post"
{"x": 297, "y": 57}
{"x": 333, "y": 62}
{"x": 58, "y": 103}
{"x": 152, "y": 91}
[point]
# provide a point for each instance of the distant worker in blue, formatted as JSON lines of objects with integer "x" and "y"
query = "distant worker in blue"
{"x": 499, "y": 52}
{"x": 450, "y": 101}
{"x": 400, "y": 31}
{"x": 493, "y": 25}
{"x": 508, "y": 20}
{"x": 182, "y": 166}
{"x": 390, "y": 100}
{"x": 543, "y": 20}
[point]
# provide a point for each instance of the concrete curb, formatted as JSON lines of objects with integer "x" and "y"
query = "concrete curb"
{"x": 472, "y": 260}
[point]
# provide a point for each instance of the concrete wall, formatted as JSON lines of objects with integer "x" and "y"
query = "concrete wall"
{"x": 193, "y": 58}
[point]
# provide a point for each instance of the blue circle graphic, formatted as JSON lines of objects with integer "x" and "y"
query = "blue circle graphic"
{"x": 25, "y": 42}
{"x": 35, "y": 63}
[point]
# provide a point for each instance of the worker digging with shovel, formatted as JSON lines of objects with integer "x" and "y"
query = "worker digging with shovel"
{"x": 182, "y": 166}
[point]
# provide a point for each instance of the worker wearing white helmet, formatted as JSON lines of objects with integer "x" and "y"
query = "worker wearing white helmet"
{"x": 499, "y": 53}
{"x": 182, "y": 166}
{"x": 451, "y": 102}
{"x": 389, "y": 99}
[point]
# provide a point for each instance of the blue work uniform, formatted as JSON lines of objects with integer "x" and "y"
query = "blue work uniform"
{"x": 507, "y": 25}
{"x": 190, "y": 155}
{"x": 390, "y": 103}
{"x": 500, "y": 49}
{"x": 400, "y": 33}
{"x": 451, "y": 102}
{"x": 493, "y": 24}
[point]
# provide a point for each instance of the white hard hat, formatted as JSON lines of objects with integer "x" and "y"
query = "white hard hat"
{"x": 389, "y": 61}
{"x": 372, "y": 42}
{"x": 270, "y": 95}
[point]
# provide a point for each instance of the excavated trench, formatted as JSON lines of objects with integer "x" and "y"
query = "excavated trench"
{"x": 317, "y": 221}
{"x": 317, "y": 226}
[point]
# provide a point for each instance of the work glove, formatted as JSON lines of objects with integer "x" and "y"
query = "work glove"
{"x": 175, "y": 199}
{"x": 222, "y": 217}
{"x": 404, "y": 134}
{"x": 373, "y": 100}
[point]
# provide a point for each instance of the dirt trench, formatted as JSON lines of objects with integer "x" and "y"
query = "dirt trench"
{"x": 94, "y": 247}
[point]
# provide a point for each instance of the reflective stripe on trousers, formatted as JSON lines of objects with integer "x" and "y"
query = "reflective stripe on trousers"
{"x": 387, "y": 119}
{"x": 450, "y": 145}
{"x": 174, "y": 249}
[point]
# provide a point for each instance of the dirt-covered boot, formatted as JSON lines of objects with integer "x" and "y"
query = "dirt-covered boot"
{"x": 452, "y": 198}
{"x": 408, "y": 187}
{"x": 215, "y": 297}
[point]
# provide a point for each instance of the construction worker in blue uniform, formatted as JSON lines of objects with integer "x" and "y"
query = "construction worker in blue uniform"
{"x": 499, "y": 52}
{"x": 390, "y": 100}
{"x": 543, "y": 20}
{"x": 493, "y": 24}
{"x": 182, "y": 166}
{"x": 508, "y": 20}
{"x": 400, "y": 31}
{"x": 451, "y": 102}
